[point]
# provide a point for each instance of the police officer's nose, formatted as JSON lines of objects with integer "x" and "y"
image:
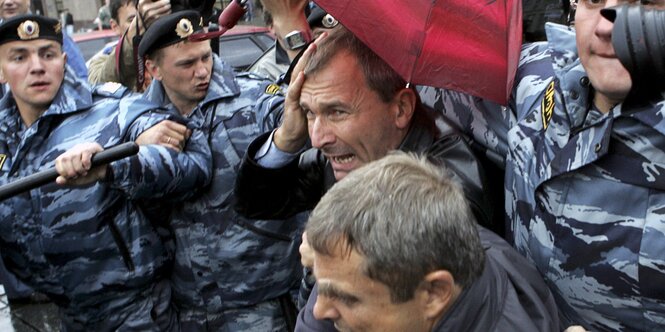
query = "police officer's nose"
{"x": 201, "y": 71}
{"x": 36, "y": 64}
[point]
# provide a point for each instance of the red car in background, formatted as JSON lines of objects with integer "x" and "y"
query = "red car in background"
{"x": 239, "y": 47}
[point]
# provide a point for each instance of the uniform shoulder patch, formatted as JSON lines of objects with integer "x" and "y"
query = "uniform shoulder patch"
{"x": 273, "y": 89}
{"x": 110, "y": 89}
{"x": 547, "y": 105}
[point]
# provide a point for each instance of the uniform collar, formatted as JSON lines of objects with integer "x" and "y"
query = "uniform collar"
{"x": 561, "y": 42}
{"x": 222, "y": 82}
{"x": 74, "y": 95}
{"x": 422, "y": 132}
{"x": 571, "y": 76}
{"x": 480, "y": 305}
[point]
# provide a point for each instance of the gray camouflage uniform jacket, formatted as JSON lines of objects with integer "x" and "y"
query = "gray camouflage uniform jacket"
{"x": 585, "y": 191}
{"x": 90, "y": 248}
{"x": 226, "y": 265}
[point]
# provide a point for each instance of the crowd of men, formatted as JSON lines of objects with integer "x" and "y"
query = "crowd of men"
{"x": 208, "y": 226}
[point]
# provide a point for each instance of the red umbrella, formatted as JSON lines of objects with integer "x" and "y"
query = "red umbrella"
{"x": 471, "y": 46}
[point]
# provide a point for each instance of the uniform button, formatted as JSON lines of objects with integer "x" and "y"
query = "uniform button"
{"x": 598, "y": 146}
{"x": 574, "y": 94}
{"x": 584, "y": 81}
{"x": 199, "y": 273}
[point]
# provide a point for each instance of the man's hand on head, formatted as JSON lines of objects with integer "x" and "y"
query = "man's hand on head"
{"x": 167, "y": 133}
{"x": 75, "y": 165}
{"x": 292, "y": 134}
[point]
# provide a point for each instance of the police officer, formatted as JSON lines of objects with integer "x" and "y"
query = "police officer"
{"x": 585, "y": 185}
{"x": 90, "y": 248}
{"x": 231, "y": 273}
{"x": 11, "y": 8}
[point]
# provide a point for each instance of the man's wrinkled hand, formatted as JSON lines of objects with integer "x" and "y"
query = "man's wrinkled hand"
{"x": 74, "y": 166}
{"x": 166, "y": 133}
{"x": 292, "y": 134}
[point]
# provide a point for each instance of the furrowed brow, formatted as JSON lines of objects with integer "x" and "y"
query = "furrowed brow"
{"x": 329, "y": 290}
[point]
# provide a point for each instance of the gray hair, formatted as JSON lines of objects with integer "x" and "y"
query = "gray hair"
{"x": 379, "y": 76}
{"x": 406, "y": 217}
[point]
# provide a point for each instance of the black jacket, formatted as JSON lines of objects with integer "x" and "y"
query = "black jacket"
{"x": 263, "y": 193}
{"x": 510, "y": 295}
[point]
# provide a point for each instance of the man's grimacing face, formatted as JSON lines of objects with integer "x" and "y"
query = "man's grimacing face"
{"x": 185, "y": 70}
{"x": 347, "y": 120}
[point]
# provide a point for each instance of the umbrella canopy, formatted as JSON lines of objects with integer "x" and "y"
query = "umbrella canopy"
{"x": 470, "y": 46}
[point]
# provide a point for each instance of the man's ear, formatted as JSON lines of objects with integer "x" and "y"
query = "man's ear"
{"x": 405, "y": 104}
{"x": 441, "y": 293}
{"x": 115, "y": 27}
{"x": 152, "y": 69}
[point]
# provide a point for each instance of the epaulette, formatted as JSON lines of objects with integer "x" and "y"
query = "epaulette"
{"x": 110, "y": 90}
{"x": 272, "y": 89}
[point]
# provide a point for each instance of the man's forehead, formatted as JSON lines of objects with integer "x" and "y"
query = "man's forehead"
{"x": 340, "y": 256}
{"x": 34, "y": 44}
{"x": 127, "y": 9}
{"x": 343, "y": 274}
{"x": 186, "y": 49}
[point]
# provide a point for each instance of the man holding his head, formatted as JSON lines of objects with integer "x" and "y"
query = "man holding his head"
{"x": 396, "y": 248}
{"x": 354, "y": 109}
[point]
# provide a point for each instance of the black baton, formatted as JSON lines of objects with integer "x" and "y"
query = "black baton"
{"x": 47, "y": 176}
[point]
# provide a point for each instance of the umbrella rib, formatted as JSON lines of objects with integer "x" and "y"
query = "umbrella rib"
{"x": 422, "y": 43}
